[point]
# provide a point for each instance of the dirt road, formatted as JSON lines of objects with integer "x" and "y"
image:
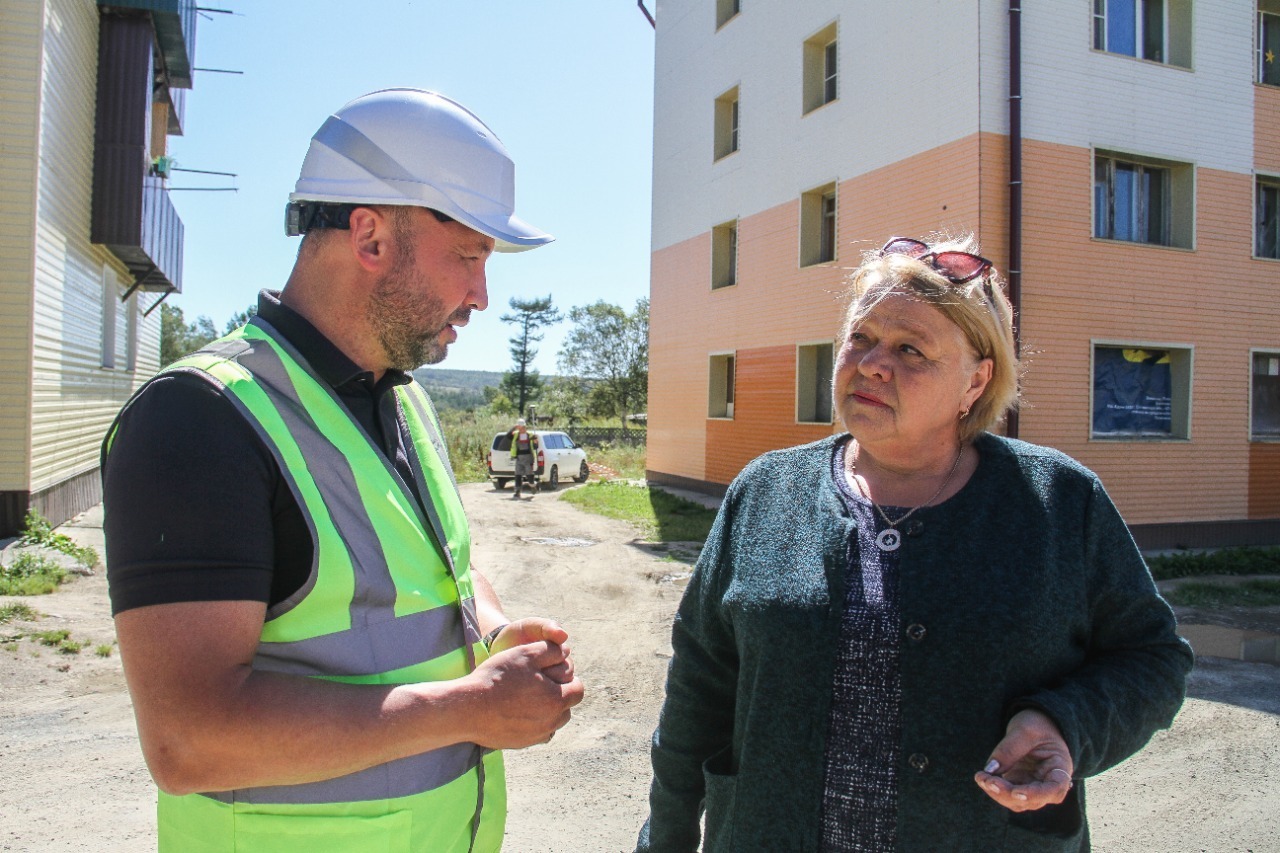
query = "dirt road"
{"x": 71, "y": 775}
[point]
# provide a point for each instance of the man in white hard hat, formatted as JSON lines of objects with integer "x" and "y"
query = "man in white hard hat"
{"x": 313, "y": 660}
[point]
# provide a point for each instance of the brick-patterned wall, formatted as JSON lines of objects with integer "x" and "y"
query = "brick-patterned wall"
{"x": 1264, "y": 480}
{"x": 764, "y": 413}
{"x": 1076, "y": 289}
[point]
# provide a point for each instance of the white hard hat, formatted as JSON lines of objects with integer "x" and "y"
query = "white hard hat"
{"x": 519, "y": 421}
{"x": 413, "y": 147}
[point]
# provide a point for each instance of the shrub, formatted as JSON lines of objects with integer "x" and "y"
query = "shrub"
{"x": 38, "y": 531}
{"x": 31, "y": 574}
{"x": 1228, "y": 561}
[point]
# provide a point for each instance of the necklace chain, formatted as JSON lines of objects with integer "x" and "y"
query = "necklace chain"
{"x": 893, "y": 524}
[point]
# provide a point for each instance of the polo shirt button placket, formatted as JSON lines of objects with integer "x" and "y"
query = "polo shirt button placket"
{"x": 913, "y": 528}
{"x": 916, "y": 632}
{"x": 919, "y": 762}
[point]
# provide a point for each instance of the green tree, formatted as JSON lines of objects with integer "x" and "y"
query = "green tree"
{"x": 179, "y": 338}
{"x": 239, "y": 318}
{"x": 522, "y": 383}
{"x": 609, "y": 348}
{"x": 566, "y": 398}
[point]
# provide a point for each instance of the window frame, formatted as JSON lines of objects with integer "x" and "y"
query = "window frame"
{"x": 1178, "y": 205}
{"x": 1262, "y": 186}
{"x": 1273, "y": 436}
{"x": 722, "y": 377}
{"x": 817, "y": 75}
{"x": 1176, "y": 18}
{"x": 1260, "y": 36}
{"x": 724, "y": 255}
{"x": 1182, "y": 372}
{"x": 820, "y": 225}
{"x": 726, "y": 131}
{"x": 809, "y": 357}
{"x": 726, "y": 11}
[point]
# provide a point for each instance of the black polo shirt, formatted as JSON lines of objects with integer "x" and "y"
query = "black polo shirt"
{"x": 196, "y": 508}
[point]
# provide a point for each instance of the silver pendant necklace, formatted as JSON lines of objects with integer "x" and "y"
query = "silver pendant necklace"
{"x": 890, "y": 539}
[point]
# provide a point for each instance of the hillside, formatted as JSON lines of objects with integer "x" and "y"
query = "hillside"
{"x": 442, "y": 379}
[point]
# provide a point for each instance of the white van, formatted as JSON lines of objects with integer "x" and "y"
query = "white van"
{"x": 558, "y": 457}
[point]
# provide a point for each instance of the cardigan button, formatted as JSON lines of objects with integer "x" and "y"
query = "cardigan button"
{"x": 918, "y": 761}
{"x": 916, "y": 632}
{"x": 914, "y": 527}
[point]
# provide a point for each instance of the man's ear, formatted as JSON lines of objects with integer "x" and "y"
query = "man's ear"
{"x": 368, "y": 235}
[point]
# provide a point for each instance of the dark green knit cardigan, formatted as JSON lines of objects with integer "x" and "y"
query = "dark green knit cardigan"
{"x": 1025, "y": 589}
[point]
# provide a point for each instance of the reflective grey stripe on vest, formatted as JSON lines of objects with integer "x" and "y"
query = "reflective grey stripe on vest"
{"x": 401, "y": 778}
{"x": 377, "y": 641}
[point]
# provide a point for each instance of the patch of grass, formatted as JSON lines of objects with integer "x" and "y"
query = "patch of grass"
{"x": 18, "y": 610}
{"x": 102, "y": 650}
{"x": 1228, "y": 561}
{"x": 659, "y": 515}
{"x": 51, "y": 638}
{"x": 627, "y": 459}
{"x": 1254, "y": 593}
{"x": 11, "y": 647}
{"x": 31, "y": 574}
{"x": 38, "y": 531}
{"x": 70, "y": 646}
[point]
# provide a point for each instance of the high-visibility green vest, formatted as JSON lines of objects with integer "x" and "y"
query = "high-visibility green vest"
{"x": 389, "y": 601}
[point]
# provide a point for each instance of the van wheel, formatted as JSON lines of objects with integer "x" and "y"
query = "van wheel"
{"x": 583, "y": 473}
{"x": 500, "y": 483}
{"x": 553, "y": 479}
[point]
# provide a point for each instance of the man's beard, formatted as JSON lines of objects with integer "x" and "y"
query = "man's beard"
{"x": 409, "y": 324}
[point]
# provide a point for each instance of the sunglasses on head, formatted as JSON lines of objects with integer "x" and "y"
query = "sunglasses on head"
{"x": 958, "y": 267}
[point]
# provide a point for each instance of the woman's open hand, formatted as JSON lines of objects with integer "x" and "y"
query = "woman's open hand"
{"x": 1031, "y": 767}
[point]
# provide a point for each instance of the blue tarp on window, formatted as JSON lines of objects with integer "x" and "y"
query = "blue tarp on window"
{"x": 1132, "y": 392}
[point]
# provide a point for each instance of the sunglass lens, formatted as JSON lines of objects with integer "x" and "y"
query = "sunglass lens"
{"x": 961, "y": 266}
{"x": 905, "y": 246}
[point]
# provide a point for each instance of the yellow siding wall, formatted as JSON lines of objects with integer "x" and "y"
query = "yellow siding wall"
{"x": 21, "y": 26}
{"x": 73, "y": 397}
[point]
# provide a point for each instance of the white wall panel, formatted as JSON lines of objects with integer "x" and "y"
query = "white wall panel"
{"x": 1073, "y": 95}
{"x": 907, "y": 84}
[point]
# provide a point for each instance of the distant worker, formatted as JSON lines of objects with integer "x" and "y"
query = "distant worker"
{"x": 313, "y": 660}
{"x": 524, "y": 456}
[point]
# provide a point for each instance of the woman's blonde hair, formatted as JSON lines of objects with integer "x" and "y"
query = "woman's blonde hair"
{"x": 979, "y": 308}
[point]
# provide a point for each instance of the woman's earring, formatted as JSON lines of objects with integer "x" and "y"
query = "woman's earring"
{"x": 964, "y": 414}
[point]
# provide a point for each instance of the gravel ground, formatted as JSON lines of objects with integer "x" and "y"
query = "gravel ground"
{"x": 73, "y": 779}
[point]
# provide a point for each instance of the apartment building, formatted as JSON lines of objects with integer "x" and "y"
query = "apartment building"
{"x": 89, "y": 241}
{"x": 1119, "y": 160}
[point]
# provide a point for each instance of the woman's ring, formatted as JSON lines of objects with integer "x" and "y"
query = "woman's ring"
{"x": 1065, "y": 774}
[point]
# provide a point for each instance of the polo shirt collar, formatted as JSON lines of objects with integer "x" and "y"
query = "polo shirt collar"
{"x": 329, "y": 362}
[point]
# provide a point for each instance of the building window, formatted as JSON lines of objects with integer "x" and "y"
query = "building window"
{"x": 1141, "y": 391}
{"x": 1269, "y": 43}
{"x": 818, "y": 225}
{"x": 1143, "y": 201}
{"x": 813, "y": 383}
{"x": 724, "y": 255}
{"x": 1157, "y": 30}
{"x": 720, "y": 397}
{"x": 725, "y": 10}
{"x": 1267, "y": 235}
{"x": 131, "y": 333}
{"x": 726, "y": 120}
{"x": 110, "y": 301}
{"x": 820, "y": 68}
{"x": 1264, "y": 414}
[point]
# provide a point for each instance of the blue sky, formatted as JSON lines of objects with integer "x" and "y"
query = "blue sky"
{"x": 566, "y": 84}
